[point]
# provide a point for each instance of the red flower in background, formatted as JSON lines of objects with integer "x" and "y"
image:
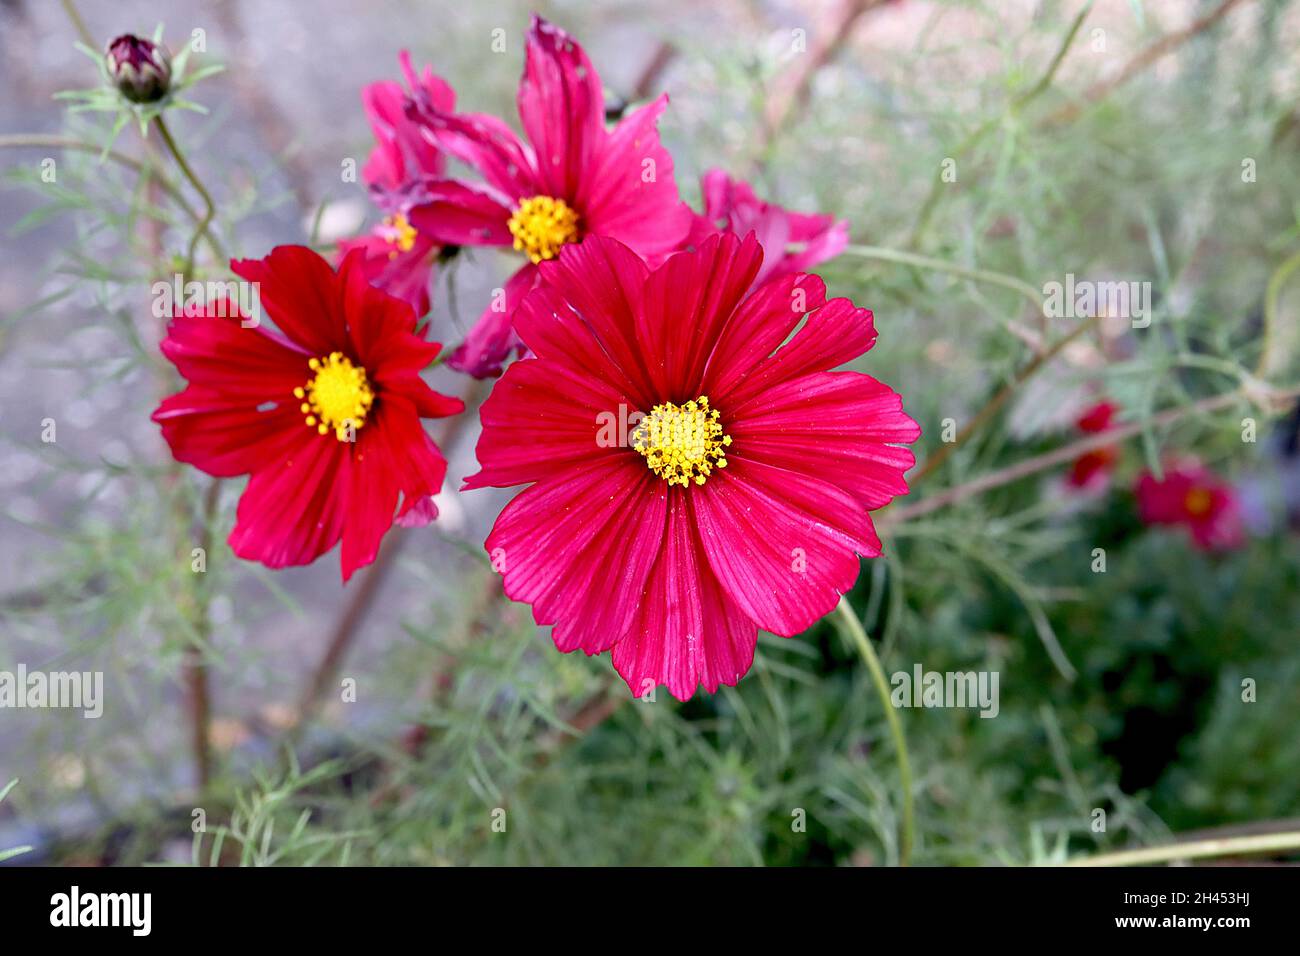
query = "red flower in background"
{"x": 1093, "y": 468}
{"x": 571, "y": 179}
{"x": 1192, "y": 495}
{"x": 791, "y": 241}
{"x": 325, "y": 415}
{"x": 397, "y": 259}
{"x": 399, "y": 171}
{"x": 686, "y": 489}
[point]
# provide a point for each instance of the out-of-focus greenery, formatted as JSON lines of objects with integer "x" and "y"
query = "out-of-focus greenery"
{"x": 476, "y": 759}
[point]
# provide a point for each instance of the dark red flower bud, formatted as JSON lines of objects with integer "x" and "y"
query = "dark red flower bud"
{"x": 140, "y": 69}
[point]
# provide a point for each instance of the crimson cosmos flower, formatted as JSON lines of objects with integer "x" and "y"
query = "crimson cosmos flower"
{"x": 399, "y": 172}
{"x": 738, "y": 501}
{"x": 1192, "y": 495}
{"x": 1091, "y": 468}
{"x": 325, "y": 415}
{"x": 792, "y": 241}
{"x": 572, "y": 179}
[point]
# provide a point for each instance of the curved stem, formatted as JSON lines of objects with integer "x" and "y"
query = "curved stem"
{"x": 1195, "y": 850}
{"x": 951, "y": 268}
{"x": 850, "y": 625}
{"x": 209, "y": 208}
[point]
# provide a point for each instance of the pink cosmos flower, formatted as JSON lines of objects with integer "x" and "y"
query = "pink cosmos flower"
{"x": 399, "y": 171}
{"x": 1192, "y": 495}
{"x": 686, "y": 489}
{"x": 571, "y": 179}
{"x": 792, "y": 241}
{"x": 325, "y": 415}
{"x": 1092, "y": 468}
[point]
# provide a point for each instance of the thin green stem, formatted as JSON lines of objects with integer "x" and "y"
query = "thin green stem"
{"x": 195, "y": 665}
{"x": 1195, "y": 850}
{"x": 1019, "y": 103}
{"x": 209, "y": 207}
{"x": 41, "y": 141}
{"x": 78, "y": 24}
{"x": 850, "y": 625}
{"x": 951, "y": 268}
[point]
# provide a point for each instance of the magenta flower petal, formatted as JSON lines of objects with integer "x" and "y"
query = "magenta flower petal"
{"x": 402, "y": 152}
{"x": 601, "y": 281}
{"x": 405, "y": 274}
{"x": 711, "y": 515}
{"x": 562, "y": 107}
{"x": 792, "y": 242}
{"x": 688, "y": 633}
{"x": 843, "y": 422}
{"x": 707, "y": 286}
{"x": 571, "y": 181}
{"x": 458, "y": 214}
{"x": 291, "y": 515}
{"x": 493, "y": 337}
{"x": 630, "y": 193}
{"x": 489, "y": 146}
{"x": 551, "y": 547}
{"x": 782, "y": 544}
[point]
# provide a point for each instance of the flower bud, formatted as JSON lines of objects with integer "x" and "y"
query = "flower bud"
{"x": 140, "y": 69}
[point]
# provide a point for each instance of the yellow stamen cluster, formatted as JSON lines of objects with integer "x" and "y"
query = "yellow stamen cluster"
{"x": 682, "y": 443}
{"x": 1197, "y": 501}
{"x": 338, "y": 397}
{"x": 400, "y": 234}
{"x": 541, "y": 225}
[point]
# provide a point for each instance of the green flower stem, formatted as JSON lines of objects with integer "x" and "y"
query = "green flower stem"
{"x": 209, "y": 208}
{"x": 850, "y": 625}
{"x": 1195, "y": 850}
{"x": 78, "y": 24}
{"x": 882, "y": 254}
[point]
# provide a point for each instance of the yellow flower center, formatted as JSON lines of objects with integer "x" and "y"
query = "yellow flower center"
{"x": 682, "y": 443}
{"x": 1197, "y": 502}
{"x": 400, "y": 234}
{"x": 541, "y": 225}
{"x": 338, "y": 396}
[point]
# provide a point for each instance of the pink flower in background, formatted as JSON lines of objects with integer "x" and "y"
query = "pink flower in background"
{"x": 397, "y": 259}
{"x": 399, "y": 171}
{"x": 792, "y": 241}
{"x": 1091, "y": 469}
{"x": 403, "y": 156}
{"x": 686, "y": 489}
{"x": 1192, "y": 495}
{"x": 570, "y": 179}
